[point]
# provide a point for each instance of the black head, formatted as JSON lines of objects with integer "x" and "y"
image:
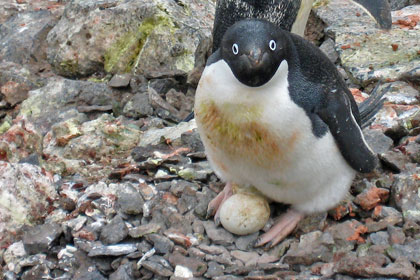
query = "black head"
{"x": 254, "y": 50}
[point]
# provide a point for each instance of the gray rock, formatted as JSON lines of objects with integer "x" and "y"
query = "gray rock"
{"x": 130, "y": 203}
{"x": 347, "y": 233}
{"x": 115, "y": 231}
{"x": 161, "y": 243}
{"x": 204, "y": 197}
{"x": 399, "y": 4}
{"x": 396, "y": 235}
{"x": 139, "y": 30}
{"x": 411, "y": 251}
{"x": 378, "y": 141}
{"x": 328, "y": 47}
{"x": 384, "y": 216}
{"x": 112, "y": 250}
{"x": 365, "y": 51}
{"x": 22, "y": 37}
{"x": 400, "y": 93}
{"x": 40, "y": 271}
{"x": 143, "y": 230}
{"x": 218, "y": 235}
{"x": 380, "y": 238}
{"x": 404, "y": 193}
{"x": 39, "y": 239}
{"x": 214, "y": 269}
{"x": 138, "y": 106}
{"x": 309, "y": 250}
{"x": 157, "y": 268}
{"x": 197, "y": 267}
{"x": 394, "y": 160}
{"x": 246, "y": 242}
{"x": 124, "y": 272}
{"x": 27, "y": 190}
{"x": 413, "y": 151}
{"x": 120, "y": 80}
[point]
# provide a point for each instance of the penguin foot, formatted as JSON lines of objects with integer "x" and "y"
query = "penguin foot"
{"x": 283, "y": 227}
{"x": 214, "y": 205}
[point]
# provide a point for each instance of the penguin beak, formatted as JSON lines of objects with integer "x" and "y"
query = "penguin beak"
{"x": 255, "y": 57}
{"x": 379, "y": 10}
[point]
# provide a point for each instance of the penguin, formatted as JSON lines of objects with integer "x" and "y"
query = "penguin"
{"x": 274, "y": 114}
{"x": 290, "y": 15}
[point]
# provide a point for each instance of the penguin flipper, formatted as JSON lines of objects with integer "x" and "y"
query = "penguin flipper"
{"x": 337, "y": 114}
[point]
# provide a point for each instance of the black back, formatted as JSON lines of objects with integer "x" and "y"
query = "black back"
{"x": 282, "y": 13}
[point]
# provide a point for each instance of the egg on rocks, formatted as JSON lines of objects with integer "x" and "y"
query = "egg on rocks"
{"x": 244, "y": 213}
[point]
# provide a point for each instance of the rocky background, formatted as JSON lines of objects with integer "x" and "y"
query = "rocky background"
{"x": 101, "y": 179}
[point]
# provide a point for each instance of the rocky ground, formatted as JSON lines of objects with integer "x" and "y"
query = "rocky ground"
{"x": 100, "y": 179}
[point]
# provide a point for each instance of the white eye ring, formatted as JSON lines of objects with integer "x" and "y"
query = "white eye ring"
{"x": 272, "y": 45}
{"x": 235, "y": 49}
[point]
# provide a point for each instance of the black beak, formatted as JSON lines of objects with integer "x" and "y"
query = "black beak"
{"x": 380, "y": 10}
{"x": 255, "y": 57}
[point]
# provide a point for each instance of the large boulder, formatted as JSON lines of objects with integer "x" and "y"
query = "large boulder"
{"x": 128, "y": 36}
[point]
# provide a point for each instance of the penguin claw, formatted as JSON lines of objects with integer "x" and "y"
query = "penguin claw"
{"x": 283, "y": 227}
{"x": 214, "y": 206}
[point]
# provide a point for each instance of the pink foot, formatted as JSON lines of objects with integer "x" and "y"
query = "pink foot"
{"x": 283, "y": 227}
{"x": 216, "y": 203}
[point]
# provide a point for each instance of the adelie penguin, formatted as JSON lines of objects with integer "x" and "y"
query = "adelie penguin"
{"x": 290, "y": 15}
{"x": 274, "y": 113}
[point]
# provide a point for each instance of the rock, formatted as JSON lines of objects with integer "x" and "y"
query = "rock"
{"x": 120, "y": 80}
{"x": 218, "y": 235}
{"x": 156, "y": 136}
{"x": 400, "y": 93}
{"x": 386, "y": 216}
{"x": 371, "y": 197}
{"x": 15, "y": 83}
{"x": 36, "y": 272}
{"x": 214, "y": 269}
{"x": 22, "y": 38}
{"x": 112, "y": 250}
{"x": 348, "y": 233}
{"x": 413, "y": 151}
{"x": 394, "y": 160}
{"x": 26, "y": 193}
{"x": 143, "y": 230}
{"x": 328, "y": 48}
{"x": 157, "y": 268}
{"x": 131, "y": 203}
{"x": 114, "y": 231}
{"x": 244, "y": 213}
{"x": 245, "y": 242}
{"x": 399, "y": 4}
{"x": 410, "y": 251}
{"x": 161, "y": 243}
{"x": 365, "y": 51}
{"x": 197, "y": 267}
{"x": 309, "y": 250}
{"x": 380, "y": 238}
{"x": 124, "y": 272}
{"x": 59, "y": 96}
{"x": 138, "y": 30}
{"x": 105, "y": 142}
{"x": 14, "y": 252}
{"x": 40, "y": 239}
{"x": 378, "y": 141}
{"x": 182, "y": 272}
{"x": 396, "y": 235}
{"x": 138, "y": 106}
{"x": 405, "y": 196}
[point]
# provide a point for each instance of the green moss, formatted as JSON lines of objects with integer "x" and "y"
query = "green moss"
{"x": 5, "y": 125}
{"x": 121, "y": 57}
{"x": 185, "y": 62}
{"x": 320, "y": 3}
{"x": 69, "y": 67}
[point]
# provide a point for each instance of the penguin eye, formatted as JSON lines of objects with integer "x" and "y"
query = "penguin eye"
{"x": 235, "y": 49}
{"x": 272, "y": 45}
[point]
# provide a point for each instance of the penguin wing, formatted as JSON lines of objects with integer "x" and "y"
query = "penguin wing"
{"x": 336, "y": 112}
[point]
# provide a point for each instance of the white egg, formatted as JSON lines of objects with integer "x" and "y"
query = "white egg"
{"x": 244, "y": 213}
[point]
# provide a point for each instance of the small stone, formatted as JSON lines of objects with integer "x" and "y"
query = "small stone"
{"x": 380, "y": 238}
{"x": 371, "y": 197}
{"x": 112, "y": 250}
{"x": 115, "y": 231}
{"x": 328, "y": 48}
{"x": 40, "y": 239}
{"x": 214, "y": 270}
{"x": 378, "y": 141}
{"x": 347, "y": 233}
{"x": 405, "y": 196}
{"x": 14, "y": 252}
{"x": 162, "y": 244}
{"x": 245, "y": 242}
{"x": 157, "y": 268}
{"x": 197, "y": 267}
{"x": 395, "y": 160}
{"x": 124, "y": 272}
{"x": 411, "y": 251}
{"x": 183, "y": 272}
{"x": 218, "y": 235}
{"x": 248, "y": 258}
{"x": 386, "y": 216}
{"x": 40, "y": 271}
{"x": 131, "y": 203}
{"x": 120, "y": 80}
{"x": 396, "y": 235}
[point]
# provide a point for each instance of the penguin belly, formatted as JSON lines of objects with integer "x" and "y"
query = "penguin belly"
{"x": 259, "y": 137}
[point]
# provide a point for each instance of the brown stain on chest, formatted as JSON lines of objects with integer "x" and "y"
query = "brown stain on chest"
{"x": 239, "y": 133}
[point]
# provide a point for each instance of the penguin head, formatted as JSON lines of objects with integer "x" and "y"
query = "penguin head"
{"x": 253, "y": 49}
